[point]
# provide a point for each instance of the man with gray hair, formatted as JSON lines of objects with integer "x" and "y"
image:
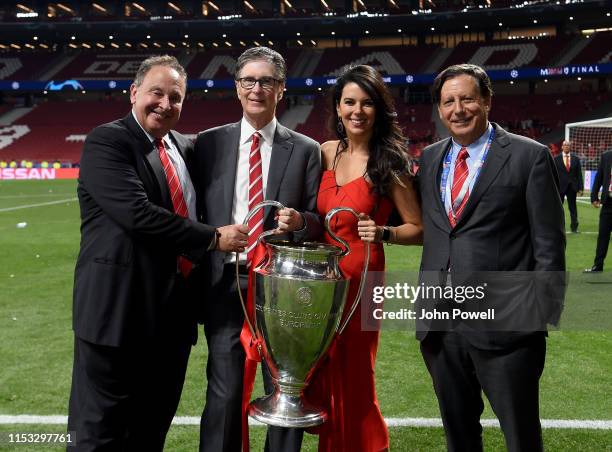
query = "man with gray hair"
{"x": 237, "y": 166}
{"x": 134, "y": 313}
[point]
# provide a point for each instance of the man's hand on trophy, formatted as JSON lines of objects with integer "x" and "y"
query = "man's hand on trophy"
{"x": 232, "y": 238}
{"x": 288, "y": 220}
{"x": 368, "y": 231}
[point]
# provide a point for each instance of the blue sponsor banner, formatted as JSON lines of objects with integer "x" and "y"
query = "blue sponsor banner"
{"x": 520, "y": 74}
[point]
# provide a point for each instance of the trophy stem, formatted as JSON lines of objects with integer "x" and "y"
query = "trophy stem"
{"x": 286, "y": 409}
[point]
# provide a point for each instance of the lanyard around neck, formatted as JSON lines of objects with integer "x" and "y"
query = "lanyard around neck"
{"x": 472, "y": 175}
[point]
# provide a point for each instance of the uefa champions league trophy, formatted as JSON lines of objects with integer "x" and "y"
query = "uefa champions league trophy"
{"x": 299, "y": 298}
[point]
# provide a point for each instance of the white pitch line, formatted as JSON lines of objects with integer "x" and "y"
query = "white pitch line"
{"x": 41, "y": 204}
{"x": 393, "y": 422}
{"x": 40, "y": 195}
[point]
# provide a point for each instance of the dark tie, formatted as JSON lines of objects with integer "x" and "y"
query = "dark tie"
{"x": 460, "y": 176}
{"x": 176, "y": 193}
{"x": 255, "y": 195}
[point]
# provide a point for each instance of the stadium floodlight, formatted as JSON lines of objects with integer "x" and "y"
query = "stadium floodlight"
{"x": 100, "y": 8}
{"x": 174, "y": 7}
{"x": 589, "y": 139}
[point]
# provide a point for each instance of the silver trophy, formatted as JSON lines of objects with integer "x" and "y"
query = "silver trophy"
{"x": 299, "y": 297}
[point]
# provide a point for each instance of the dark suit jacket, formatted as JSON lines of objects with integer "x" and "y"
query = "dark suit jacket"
{"x": 293, "y": 180}
{"x": 602, "y": 178}
{"x": 571, "y": 180}
{"x": 513, "y": 220}
{"x": 126, "y": 270}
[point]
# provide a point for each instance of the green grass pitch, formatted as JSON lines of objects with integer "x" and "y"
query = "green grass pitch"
{"x": 36, "y": 273}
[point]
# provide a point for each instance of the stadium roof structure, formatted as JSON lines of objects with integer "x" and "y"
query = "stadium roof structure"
{"x": 62, "y": 22}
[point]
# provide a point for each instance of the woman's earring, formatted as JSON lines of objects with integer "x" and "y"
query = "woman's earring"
{"x": 340, "y": 127}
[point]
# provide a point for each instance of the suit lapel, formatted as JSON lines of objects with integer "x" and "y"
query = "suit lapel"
{"x": 434, "y": 176}
{"x": 496, "y": 158}
{"x": 281, "y": 153}
{"x": 227, "y": 153}
{"x": 145, "y": 147}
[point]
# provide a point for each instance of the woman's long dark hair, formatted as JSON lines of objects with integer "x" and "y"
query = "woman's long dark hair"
{"x": 388, "y": 157}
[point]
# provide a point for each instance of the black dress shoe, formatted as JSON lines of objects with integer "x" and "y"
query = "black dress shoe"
{"x": 593, "y": 269}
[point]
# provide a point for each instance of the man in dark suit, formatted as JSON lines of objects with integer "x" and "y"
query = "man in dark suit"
{"x": 570, "y": 180}
{"x": 133, "y": 316}
{"x": 603, "y": 181}
{"x": 288, "y": 168}
{"x": 490, "y": 203}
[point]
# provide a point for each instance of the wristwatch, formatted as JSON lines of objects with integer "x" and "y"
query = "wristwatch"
{"x": 214, "y": 245}
{"x": 386, "y": 234}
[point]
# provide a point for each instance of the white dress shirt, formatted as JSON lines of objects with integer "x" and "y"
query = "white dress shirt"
{"x": 240, "y": 203}
{"x": 179, "y": 166}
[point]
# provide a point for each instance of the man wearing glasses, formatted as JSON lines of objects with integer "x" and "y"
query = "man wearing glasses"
{"x": 235, "y": 167}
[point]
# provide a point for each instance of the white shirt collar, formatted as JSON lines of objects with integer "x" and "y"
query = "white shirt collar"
{"x": 151, "y": 138}
{"x": 476, "y": 145}
{"x": 267, "y": 132}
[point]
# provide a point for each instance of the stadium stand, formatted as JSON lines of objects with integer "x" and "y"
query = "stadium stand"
{"x": 388, "y": 60}
{"x": 62, "y": 138}
{"x": 508, "y": 54}
{"x": 108, "y": 65}
{"x": 24, "y": 66}
{"x": 597, "y": 51}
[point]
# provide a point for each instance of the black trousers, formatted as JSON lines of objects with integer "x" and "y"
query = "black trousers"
{"x": 124, "y": 398}
{"x": 571, "y": 204}
{"x": 221, "y": 423}
{"x": 605, "y": 228}
{"x": 280, "y": 439}
{"x": 508, "y": 377}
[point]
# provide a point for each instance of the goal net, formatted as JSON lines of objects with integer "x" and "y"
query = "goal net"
{"x": 589, "y": 139}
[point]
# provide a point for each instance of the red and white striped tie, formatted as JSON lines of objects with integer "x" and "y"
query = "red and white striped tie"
{"x": 459, "y": 177}
{"x": 255, "y": 195}
{"x": 176, "y": 194}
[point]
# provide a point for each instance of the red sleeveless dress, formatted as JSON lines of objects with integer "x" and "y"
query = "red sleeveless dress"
{"x": 344, "y": 382}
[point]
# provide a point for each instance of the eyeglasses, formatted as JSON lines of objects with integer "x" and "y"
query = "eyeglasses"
{"x": 266, "y": 83}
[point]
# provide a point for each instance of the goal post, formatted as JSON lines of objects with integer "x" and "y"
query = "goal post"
{"x": 589, "y": 139}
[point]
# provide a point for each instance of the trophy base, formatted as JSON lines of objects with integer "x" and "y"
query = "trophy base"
{"x": 284, "y": 410}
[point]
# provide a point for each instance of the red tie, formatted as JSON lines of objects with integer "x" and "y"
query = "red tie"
{"x": 459, "y": 177}
{"x": 178, "y": 200}
{"x": 567, "y": 162}
{"x": 255, "y": 196}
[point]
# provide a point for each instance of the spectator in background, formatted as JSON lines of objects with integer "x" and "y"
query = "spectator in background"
{"x": 570, "y": 181}
{"x": 554, "y": 149}
{"x": 603, "y": 181}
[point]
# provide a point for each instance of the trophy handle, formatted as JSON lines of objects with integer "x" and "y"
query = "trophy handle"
{"x": 251, "y": 213}
{"x": 346, "y": 251}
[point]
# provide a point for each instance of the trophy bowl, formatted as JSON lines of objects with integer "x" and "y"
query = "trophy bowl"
{"x": 299, "y": 299}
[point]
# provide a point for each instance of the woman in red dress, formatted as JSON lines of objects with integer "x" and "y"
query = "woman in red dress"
{"x": 366, "y": 169}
